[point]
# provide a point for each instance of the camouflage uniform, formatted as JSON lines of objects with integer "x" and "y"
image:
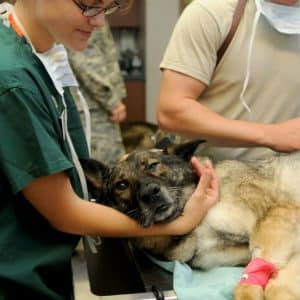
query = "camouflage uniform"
{"x": 98, "y": 73}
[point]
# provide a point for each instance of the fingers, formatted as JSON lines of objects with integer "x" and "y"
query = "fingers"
{"x": 214, "y": 179}
{"x": 197, "y": 166}
{"x": 119, "y": 113}
{"x": 209, "y": 181}
{"x": 205, "y": 182}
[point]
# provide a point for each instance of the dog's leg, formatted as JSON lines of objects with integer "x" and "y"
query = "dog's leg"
{"x": 209, "y": 248}
{"x": 286, "y": 285}
{"x": 184, "y": 250}
{"x": 204, "y": 248}
{"x": 232, "y": 221}
{"x": 275, "y": 240}
{"x": 246, "y": 292}
{"x": 222, "y": 256}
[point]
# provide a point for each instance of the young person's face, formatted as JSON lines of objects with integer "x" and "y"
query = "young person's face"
{"x": 63, "y": 21}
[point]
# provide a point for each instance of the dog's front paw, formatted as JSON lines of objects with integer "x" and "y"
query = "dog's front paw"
{"x": 278, "y": 292}
{"x": 248, "y": 292}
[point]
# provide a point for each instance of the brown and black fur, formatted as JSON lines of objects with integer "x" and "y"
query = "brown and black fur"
{"x": 258, "y": 214}
{"x": 137, "y": 135}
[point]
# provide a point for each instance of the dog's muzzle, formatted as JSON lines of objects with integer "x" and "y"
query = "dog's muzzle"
{"x": 152, "y": 205}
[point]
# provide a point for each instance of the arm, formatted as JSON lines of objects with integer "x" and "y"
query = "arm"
{"x": 179, "y": 111}
{"x": 55, "y": 199}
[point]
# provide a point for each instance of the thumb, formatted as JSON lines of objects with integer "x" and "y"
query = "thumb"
{"x": 197, "y": 166}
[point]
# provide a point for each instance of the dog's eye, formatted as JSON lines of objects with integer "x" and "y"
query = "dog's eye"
{"x": 122, "y": 185}
{"x": 152, "y": 166}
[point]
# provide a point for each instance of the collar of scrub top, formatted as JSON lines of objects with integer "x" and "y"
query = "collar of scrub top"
{"x": 56, "y": 63}
{"x": 54, "y": 60}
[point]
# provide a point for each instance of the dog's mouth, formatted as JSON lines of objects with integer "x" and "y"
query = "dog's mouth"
{"x": 161, "y": 209}
{"x": 159, "y": 204}
{"x": 163, "y": 213}
{"x": 168, "y": 217}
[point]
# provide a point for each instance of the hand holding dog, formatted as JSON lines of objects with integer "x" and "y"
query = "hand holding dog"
{"x": 205, "y": 195}
{"x": 208, "y": 187}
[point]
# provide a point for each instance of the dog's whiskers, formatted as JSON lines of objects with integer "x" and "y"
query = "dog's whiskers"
{"x": 132, "y": 213}
{"x": 144, "y": 215}
{"x": 173, "y": 187}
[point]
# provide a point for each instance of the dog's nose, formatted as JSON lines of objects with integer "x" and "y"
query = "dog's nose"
{"x": 150, "y": 192}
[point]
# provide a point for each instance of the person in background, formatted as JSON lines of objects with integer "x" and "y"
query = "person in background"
{"x": 101, "y": 83}
{"x": 43, "y": 211}
{"x": 247, "y": 105}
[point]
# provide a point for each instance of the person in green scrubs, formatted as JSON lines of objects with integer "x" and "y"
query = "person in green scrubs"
{"x": 42, "y": 211}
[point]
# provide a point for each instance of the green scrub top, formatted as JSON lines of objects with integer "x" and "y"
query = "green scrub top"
{"x": 35, "y": 259}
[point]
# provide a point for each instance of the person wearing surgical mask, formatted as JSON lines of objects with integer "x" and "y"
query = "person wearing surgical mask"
{"x": 247, "y": 105}
{"x": 44, "y": 207}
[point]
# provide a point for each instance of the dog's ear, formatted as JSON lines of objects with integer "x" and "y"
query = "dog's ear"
{"x": 185, "y": 150}
{"x": 163, "y": 143}
{"x": 163, "y": 139}
{"x": 96, "y": 174}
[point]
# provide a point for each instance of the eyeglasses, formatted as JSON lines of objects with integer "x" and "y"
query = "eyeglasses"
{"x": 92, "y": 11}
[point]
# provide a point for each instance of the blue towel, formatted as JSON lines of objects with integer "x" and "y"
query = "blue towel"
{"x": 214, "y": 284}
{"x": 191, "y": 284}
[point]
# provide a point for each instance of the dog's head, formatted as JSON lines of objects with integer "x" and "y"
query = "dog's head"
{"x": 150, "y": 186}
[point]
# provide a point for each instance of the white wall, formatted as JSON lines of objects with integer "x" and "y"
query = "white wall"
{"x": 160, "y": 19}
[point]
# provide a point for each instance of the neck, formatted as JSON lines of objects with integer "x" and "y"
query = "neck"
{"x": 39, "y": 37}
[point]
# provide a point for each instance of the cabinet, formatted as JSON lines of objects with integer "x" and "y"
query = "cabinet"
{"x": 128, "y": 31}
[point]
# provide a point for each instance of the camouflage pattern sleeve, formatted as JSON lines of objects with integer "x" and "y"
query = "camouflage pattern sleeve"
{"x": 98, "y": 71}
{"x": 99, "y": 76}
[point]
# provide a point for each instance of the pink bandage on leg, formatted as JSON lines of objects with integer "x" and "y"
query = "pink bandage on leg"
{"x": 258, "y": 272}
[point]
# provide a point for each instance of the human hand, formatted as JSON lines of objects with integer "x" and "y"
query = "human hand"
{"x": 118, "y": 113}
{"x": 207, "y": 190}
{"x": 204, "y": 197}
{"x": 284, "y": 136}
{"x": 206, "y": 193}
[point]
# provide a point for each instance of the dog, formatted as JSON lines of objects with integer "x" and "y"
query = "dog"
{"x": 258, "y": 215}
{"x": 137, "y": 135}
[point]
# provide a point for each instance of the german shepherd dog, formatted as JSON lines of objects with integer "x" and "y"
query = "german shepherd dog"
{"x": 258, "y": 215}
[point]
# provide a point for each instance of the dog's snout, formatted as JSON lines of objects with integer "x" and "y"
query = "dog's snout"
{"x": 150, "y": 192}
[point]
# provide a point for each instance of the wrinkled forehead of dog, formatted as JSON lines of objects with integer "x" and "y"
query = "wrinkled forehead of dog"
{"x": 156, "y": 162}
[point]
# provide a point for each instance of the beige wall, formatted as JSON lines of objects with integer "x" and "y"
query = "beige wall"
{"x": 160, "y": 18}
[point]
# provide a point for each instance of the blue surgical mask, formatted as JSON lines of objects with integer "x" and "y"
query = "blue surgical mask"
{"x": 285, "y": 19}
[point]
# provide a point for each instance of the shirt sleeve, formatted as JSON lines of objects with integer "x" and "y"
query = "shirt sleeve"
{"x": 30, "y": 133}
{"x": 98, "y": 71}
{"x": 192, "y": 49}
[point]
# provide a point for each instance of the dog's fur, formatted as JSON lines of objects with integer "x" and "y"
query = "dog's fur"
{"x": 138, "y": 135}
{"x": 258, "y": 214}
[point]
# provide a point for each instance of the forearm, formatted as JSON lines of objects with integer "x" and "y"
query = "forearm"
{"x": 89, "y": 218}
{"x": 55, "y": 199}
{"x": 192, "y": 119}
{"x": 179, "y": 111}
